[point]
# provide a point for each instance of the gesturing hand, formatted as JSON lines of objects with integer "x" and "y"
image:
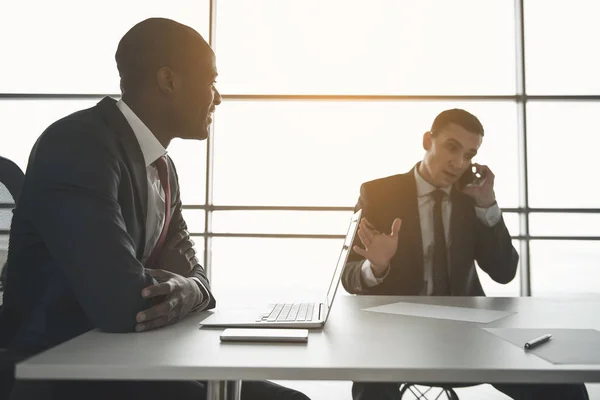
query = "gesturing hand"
{"x": 379, "y": 247}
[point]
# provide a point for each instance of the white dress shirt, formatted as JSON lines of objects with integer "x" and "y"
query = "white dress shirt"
{"x": 152, "y": 150}
{"x": 488, "y": 216}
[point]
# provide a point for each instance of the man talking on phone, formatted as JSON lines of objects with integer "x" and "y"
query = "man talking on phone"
{"x": 422, "y": 232}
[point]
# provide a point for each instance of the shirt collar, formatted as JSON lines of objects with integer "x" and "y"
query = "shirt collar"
{"x": 151, "y": 148}
{"x": 424, "y": 188}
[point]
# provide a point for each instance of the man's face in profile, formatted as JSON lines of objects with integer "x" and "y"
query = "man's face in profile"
{"x": 198, "y": 96}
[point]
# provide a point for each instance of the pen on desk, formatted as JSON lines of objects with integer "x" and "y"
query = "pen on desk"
{"x": 537, "y": 341}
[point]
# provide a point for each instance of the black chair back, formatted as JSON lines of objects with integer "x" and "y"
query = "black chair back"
{"x": 11, "y": 183}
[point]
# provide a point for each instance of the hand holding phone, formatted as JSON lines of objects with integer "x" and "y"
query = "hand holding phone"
{"x": 478, "y": 183}
{"x": 474, "y": 175}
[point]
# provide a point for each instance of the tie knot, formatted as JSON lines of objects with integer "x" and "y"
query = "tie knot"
{"x": 438, "y": 195}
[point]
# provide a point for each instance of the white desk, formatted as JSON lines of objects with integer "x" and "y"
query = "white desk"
{"x": 355, "y": 345}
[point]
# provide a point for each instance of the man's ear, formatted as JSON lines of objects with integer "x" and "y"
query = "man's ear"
{"x": 166, "y": 79}
{"x": 427, "y": 140}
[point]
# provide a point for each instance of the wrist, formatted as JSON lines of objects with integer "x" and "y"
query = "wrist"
{"x": 379, "y": 271}
{"x": 198, "y": 296}
{"x": 486, "y": 203}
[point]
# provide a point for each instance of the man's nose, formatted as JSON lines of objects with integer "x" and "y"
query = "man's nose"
{"x": 217, "y": 99}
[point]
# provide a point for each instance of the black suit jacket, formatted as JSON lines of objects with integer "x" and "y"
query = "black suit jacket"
{"x": 384, "y": 199}
{"x": 78, "y": 233}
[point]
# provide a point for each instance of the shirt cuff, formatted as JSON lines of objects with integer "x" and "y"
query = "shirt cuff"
{"x": 489, "y": 216}
{"x": 203, "y": 292}
{"x": 368, "y": 277}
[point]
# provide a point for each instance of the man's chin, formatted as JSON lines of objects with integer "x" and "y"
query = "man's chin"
{"x": 202, "y": 134}
{"x": 198, "y": 134}
{"x": 446, "y": 181}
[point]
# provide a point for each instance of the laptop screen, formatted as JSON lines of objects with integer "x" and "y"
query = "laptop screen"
{"x": 339, "y": 268}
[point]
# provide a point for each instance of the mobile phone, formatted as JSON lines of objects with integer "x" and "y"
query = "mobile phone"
{"x": 264, "y": 335}
{"x": 472, "y": 176}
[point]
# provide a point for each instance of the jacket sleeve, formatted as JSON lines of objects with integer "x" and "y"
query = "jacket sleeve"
{"x": 352, "y": 277}
{"x": 178, "y": 262}
{"x": 494, "y": 251}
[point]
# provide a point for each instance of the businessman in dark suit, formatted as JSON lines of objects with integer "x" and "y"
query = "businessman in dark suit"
{"x": 98, "y": 238}
{"x": 437, "y": 230}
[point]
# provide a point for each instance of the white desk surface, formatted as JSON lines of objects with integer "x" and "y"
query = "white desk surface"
{"x": 354, "y": 345}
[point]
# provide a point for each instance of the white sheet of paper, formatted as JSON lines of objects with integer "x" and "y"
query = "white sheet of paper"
{"x": 567, "y": 346}
{"x": 441, "y": 312}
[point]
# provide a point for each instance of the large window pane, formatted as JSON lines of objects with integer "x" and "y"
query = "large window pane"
{"x": 282, "y": 222}
{"x": 318, "y": 153}
{"x": 300, "y": 222}
{"x": 292, "y": 264}
{"x": 379, "y": 47}
{"x": 23, "y": 121}
{"x": 565, "y": 267}
{"x": 511, "y": 220}
{"x": 195, "y": 220}
{"x": 561, "y": 40}
{"x": 553, "y": 224}
{"x": 189, "y": 157}
{"x": 68, "y": 46}
{"x": 562, "y": 153}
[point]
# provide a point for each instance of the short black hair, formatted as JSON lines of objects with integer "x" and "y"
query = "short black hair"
{"x": 459, "y": 117}
{"x": 152, "y": 44}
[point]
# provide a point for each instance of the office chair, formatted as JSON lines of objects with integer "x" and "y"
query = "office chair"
{"x": 11, "y": 183}
{"x": 412, "y": 391}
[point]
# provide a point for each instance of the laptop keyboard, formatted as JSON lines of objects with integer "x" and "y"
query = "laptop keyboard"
{"x": 291, "y": 312}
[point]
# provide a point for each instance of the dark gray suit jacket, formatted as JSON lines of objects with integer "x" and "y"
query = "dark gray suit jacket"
{"x": 384, "y": 199}
{"x": 78, "y": 233}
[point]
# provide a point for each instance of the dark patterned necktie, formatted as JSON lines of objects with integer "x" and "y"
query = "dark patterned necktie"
{"x": 163, "y": 176}
{"x": 441, "y": 281}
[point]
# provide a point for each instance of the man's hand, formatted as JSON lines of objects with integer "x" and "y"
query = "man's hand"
{"x": 177, "y": 296}
{"x": 177, "y": 255}
{"x": 483, "y": 194}
{"x": 379, "y": 248}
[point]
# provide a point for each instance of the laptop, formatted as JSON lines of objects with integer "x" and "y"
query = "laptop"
{"x": 289, "y": 315}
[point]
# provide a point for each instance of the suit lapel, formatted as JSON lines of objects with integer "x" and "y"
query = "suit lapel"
{"x": 134, "y": 160}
